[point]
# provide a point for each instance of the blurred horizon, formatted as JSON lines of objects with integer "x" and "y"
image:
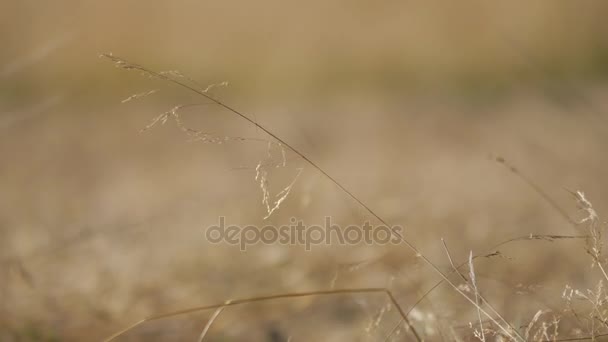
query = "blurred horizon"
{"x": 316, "y": 49}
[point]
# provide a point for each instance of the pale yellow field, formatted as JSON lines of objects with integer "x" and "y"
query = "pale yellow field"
{"x": 406, "y": 104}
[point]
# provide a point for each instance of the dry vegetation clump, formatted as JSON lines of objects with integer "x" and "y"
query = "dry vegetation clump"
{"x": 583, "y": 314}
{"x": 395, "y": 112}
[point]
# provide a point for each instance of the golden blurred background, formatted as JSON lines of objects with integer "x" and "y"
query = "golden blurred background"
{"x": 403, "y": 102}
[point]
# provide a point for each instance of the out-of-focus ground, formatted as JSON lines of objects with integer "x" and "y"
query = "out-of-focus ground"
{"x": 403, "y": 102}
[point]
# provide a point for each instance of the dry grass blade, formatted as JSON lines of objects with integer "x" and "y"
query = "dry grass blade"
{"x": 536, "y": 188}
{"x": 139, "y": 96}
{"x": 482, "y": 335}
{"x": 273, "y": 297}
{"x": 215, "y": 315}
{"x": 478, "y": 296}
{"x": 273, "y": 202}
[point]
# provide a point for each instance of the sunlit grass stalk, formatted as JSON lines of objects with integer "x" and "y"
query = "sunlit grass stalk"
{"x": 124, "y": 64}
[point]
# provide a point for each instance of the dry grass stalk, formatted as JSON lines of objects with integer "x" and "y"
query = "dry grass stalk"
{"x": 536, "y": 188}
{"x": 215, "y": 315}
{"x": 594, "y": 247}
{"x": 270, "y": 202}
{"x": 481, "y": 335}
{"x": 124, "y": 64}
{"x": 479, "y": 300}
{"x": 273, "y": 297}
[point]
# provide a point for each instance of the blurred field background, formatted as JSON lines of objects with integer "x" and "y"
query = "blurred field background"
{"x": 404, "y": 102}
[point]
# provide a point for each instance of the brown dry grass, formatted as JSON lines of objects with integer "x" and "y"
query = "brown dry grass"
{"x": 406, "y": 105}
